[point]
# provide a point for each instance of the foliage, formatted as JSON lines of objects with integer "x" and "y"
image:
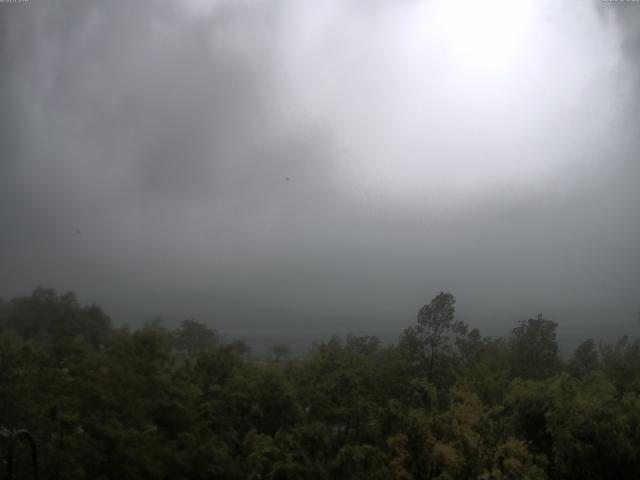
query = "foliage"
{"x": 430, "y": 344}
{"x": 534, "y": 349}
{"x": 444, "y": 403}
{"x": 193, "y": 336}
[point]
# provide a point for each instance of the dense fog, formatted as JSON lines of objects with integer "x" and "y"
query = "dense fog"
{"x": 325, "y": 165}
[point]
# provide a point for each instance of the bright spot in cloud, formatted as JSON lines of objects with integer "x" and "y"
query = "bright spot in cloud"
{"x": 482, "y": 34}
{"x": 450, "y": 98}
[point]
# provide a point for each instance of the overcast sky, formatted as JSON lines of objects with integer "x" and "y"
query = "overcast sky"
{"x": 311, "y": 164}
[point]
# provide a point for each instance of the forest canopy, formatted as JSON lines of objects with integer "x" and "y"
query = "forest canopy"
{"x": 443, "y": 402}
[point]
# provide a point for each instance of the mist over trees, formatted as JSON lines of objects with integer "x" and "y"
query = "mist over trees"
{"x": 444, "y": 402}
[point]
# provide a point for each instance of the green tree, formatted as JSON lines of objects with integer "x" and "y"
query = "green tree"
{"x": 622, "y": 364}
{"x": 585, "y": 359}
{"x": 193, "y": 336}
{"x": 54, "y": 319}
{"x": 430, "y": 344}
{"x": 534, "y": 349}
{"x": 444, "y": 404}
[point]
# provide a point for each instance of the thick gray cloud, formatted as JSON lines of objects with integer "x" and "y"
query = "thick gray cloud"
{"x": 322, "y": 165}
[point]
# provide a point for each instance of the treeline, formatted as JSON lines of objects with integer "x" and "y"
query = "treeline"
{"x": 443, "y": 403}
